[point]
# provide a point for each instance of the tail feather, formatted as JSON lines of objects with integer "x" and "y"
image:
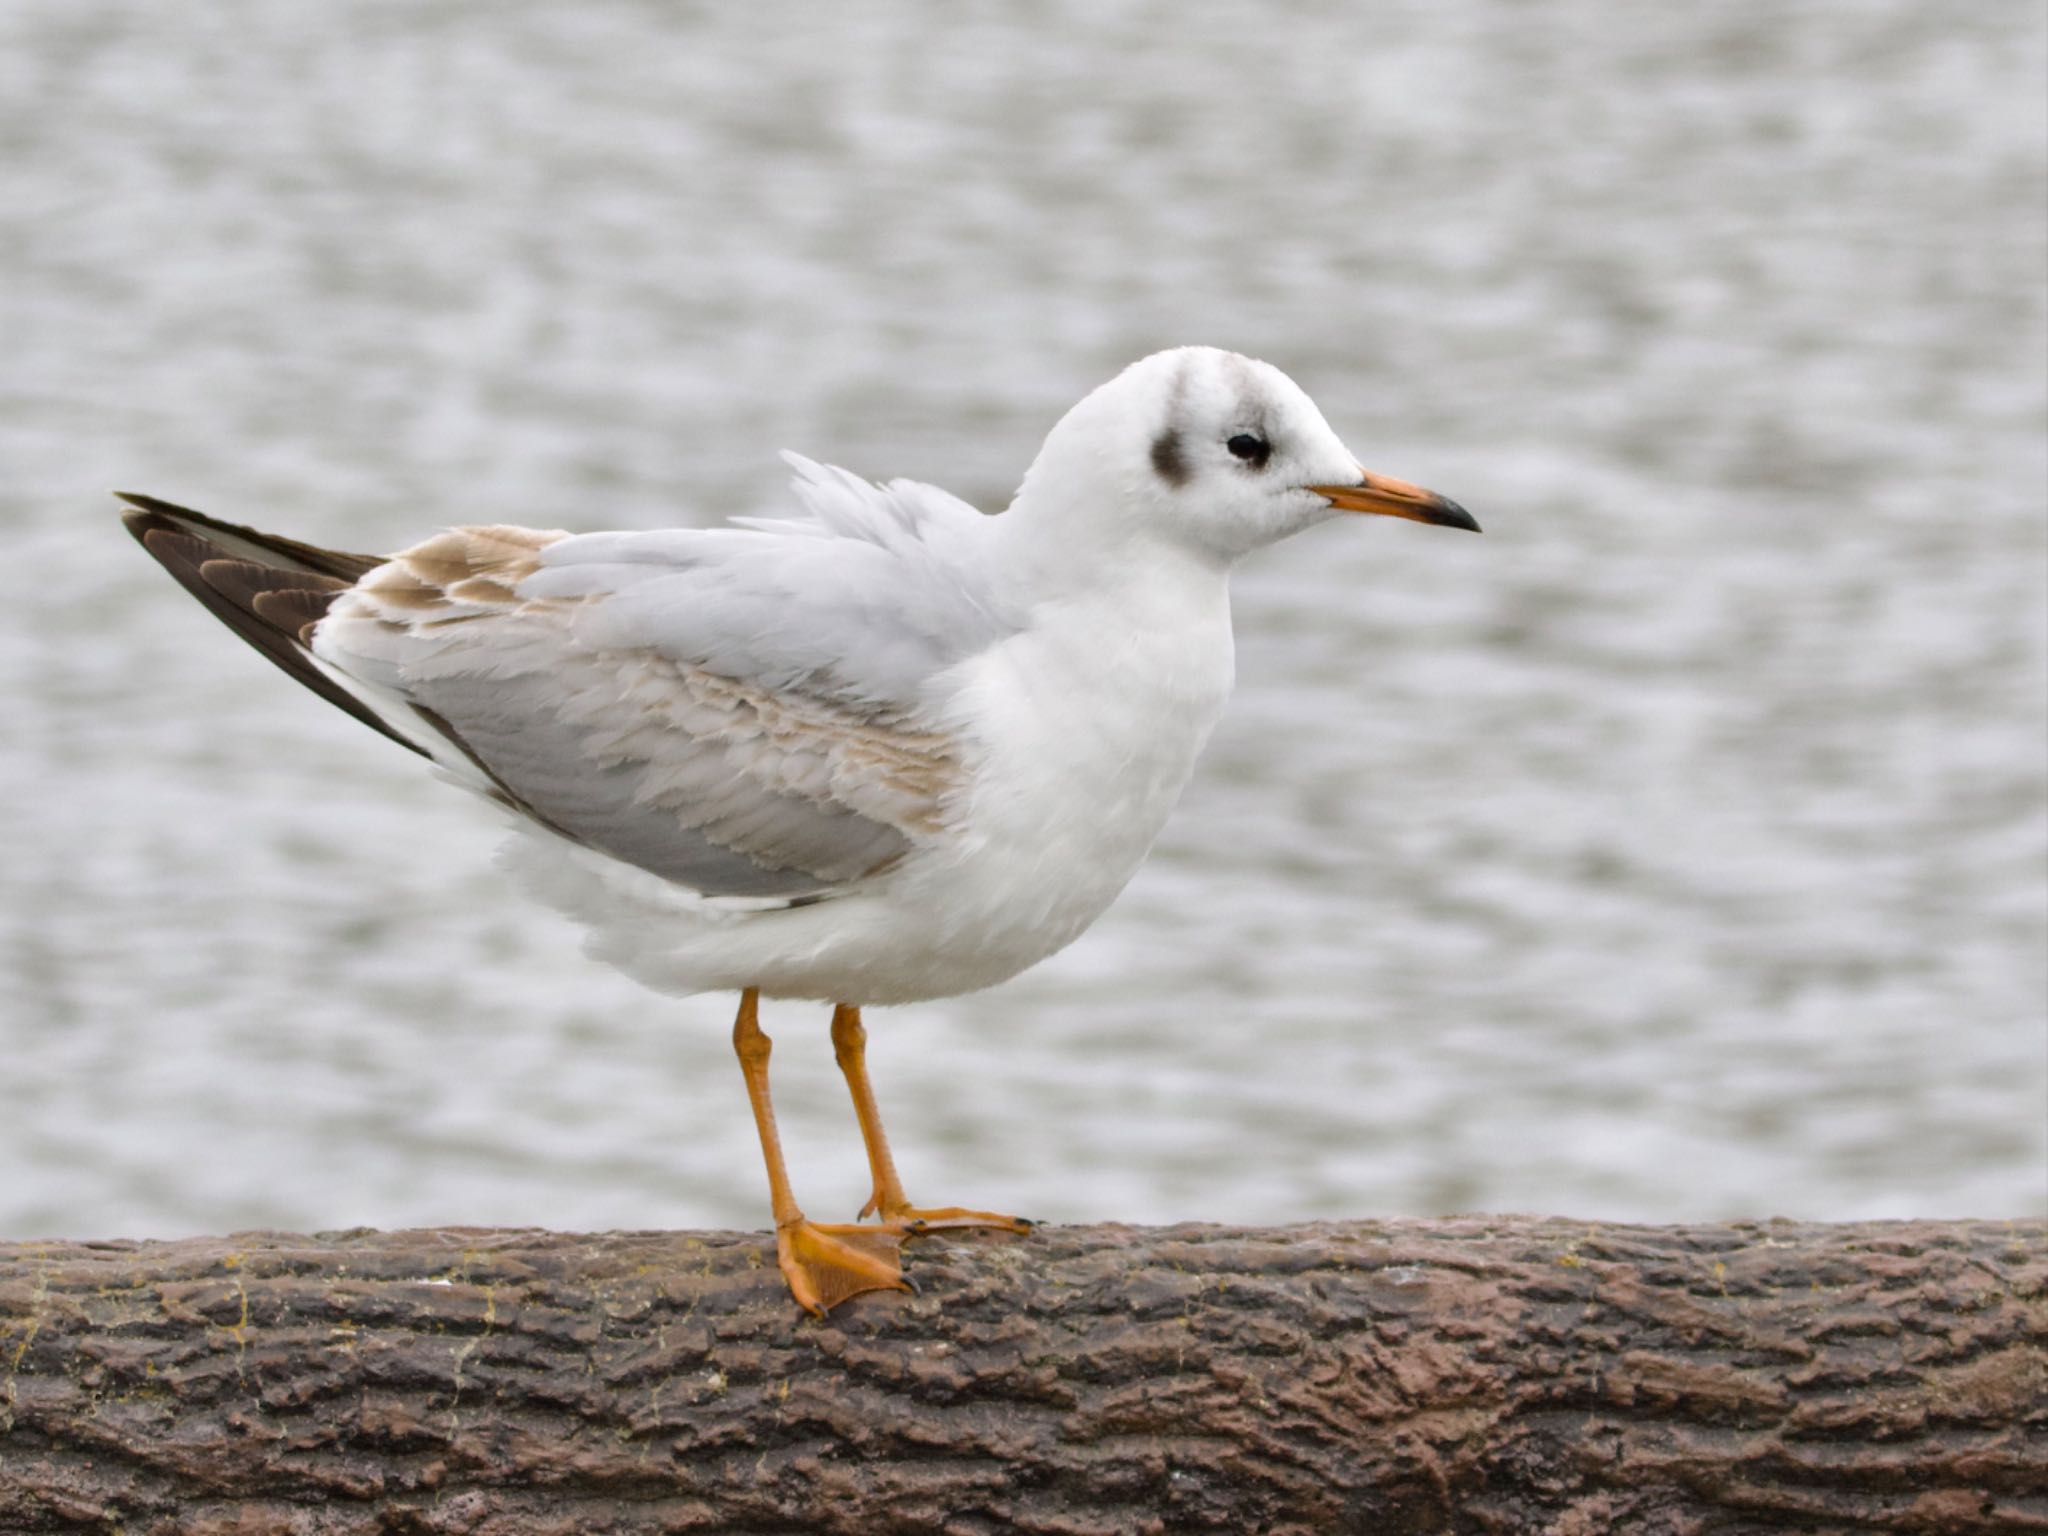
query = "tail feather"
{"x": 269, "y": 590}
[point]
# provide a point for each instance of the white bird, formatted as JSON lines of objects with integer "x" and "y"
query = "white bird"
{"x": 884, "y": 750}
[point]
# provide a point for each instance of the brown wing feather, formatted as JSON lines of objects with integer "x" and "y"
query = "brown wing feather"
{"x": 273, "y": 548}
{"x": 269, "y": 590}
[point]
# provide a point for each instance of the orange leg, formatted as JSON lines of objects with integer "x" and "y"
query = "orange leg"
{"x": 850, "y": 1046}
{"x": 824, "y": 1264}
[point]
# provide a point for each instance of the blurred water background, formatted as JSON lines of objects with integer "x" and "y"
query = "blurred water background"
{"x": 1676, "y": 850}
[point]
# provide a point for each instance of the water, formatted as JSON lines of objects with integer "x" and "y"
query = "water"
{"x": 1676, "y": 850}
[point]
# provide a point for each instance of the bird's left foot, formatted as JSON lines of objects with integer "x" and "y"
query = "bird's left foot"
{"x": 918, "y": 1220}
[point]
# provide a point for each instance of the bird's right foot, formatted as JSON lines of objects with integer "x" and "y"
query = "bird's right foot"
{"x": 826, "y": 1263}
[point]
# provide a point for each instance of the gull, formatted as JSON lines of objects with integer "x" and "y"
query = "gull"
{"x": 883, "y": 750}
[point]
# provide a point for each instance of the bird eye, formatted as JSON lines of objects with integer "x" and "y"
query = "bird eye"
{"x": 1252, "y": 449}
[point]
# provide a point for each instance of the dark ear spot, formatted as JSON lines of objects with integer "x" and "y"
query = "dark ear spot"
{"x": 1169, "y": 458}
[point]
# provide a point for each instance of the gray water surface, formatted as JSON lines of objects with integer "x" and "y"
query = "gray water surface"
{"x": 1676, "y": 850}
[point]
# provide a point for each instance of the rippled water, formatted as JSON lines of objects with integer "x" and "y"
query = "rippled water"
{"x": 1676, "y": 850}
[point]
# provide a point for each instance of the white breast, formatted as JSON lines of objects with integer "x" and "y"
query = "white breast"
{"x": 1086, "y": 727}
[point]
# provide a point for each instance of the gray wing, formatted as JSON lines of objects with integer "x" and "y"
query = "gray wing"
{"x": 745, "y": 711}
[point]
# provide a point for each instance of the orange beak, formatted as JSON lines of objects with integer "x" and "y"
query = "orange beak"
{"x": 1397, "y": 498}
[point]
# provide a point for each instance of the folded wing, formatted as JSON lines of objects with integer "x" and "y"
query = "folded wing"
{"x": 744, "y": 711}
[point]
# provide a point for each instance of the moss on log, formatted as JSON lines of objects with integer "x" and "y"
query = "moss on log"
{"x": 1463, "y": 1375}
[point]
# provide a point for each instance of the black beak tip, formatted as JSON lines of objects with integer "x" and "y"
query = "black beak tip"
{"x": 1448, "y": 514}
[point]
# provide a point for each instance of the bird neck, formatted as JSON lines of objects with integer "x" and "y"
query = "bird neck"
{"x": 1056, "y": 545}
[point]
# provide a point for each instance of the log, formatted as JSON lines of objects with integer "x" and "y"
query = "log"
{"x": 1486, "y": 1375}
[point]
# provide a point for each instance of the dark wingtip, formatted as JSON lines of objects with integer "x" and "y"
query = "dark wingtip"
{"x": 143, "y": 503}
{"x": 269, "y": 590}
{"x": 146, "y": 513}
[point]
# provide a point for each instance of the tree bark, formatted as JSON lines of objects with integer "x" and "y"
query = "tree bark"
{"x": 1475, "y": 1374}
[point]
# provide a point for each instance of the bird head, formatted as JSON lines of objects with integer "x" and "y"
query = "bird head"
{"x": 1213, "y": 452}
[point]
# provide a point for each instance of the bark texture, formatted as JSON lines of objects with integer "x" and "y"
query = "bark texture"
{"x": 1488, "y": 1375}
